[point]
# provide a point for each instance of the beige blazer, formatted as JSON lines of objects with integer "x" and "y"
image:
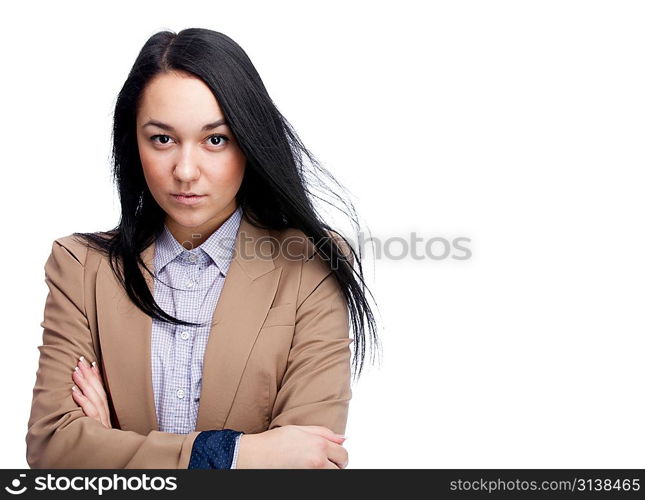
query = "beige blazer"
{"x": 278, "y": 354}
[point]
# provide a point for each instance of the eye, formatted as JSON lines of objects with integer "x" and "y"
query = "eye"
{"x": 221, "y": 139}
{"x": 165, "y": 139}
{"x": 160, "y": 135}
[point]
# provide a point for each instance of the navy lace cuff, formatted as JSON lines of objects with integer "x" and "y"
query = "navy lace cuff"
{"x": 214, "y": 449}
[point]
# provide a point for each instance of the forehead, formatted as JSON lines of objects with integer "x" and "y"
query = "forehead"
{"x": 178, "y": 98}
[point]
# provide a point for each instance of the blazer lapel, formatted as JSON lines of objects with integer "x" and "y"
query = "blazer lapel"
{"x": 245, "y": 300}
{"x": 125, "y": 333}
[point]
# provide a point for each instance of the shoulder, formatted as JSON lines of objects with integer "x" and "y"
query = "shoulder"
{"x": 76, "y": 246}
{"x": 296, "y": 253}
{"x": 294, "y": 243}
{"x": 71, "y": 246}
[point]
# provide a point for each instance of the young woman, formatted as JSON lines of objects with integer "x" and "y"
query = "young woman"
{"x": 219, "y": 308}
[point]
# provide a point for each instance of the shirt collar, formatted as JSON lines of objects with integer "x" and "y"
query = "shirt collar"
{"x": 219, "y": 246}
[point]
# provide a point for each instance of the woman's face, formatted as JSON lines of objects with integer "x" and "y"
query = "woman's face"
{"x": 185, "y": 147}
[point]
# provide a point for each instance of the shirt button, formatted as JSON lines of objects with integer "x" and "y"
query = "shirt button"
{"x": 192, "y": 257}
{"x": 180, "y": 394}
{"x": 189, "y": 284}
{"x": 185, "y": 335}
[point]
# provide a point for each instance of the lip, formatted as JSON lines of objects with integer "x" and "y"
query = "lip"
{"x": 188, "y": 200}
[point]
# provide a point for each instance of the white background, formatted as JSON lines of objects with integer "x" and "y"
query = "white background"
{"x": 516, "y": 124}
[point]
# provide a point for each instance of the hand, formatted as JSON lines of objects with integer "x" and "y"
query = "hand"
{"x": 292, "y": 447}
{"x": 90, "y": 394}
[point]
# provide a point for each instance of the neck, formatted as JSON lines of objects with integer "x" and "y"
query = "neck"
{"x": 192, "y": 237}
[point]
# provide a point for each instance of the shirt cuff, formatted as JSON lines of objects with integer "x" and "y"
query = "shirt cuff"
{"x": 237, "y": 450}
{"x": 214, "y": 449}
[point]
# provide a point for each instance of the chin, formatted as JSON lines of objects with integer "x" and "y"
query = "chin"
{"x": 188, "y": 220}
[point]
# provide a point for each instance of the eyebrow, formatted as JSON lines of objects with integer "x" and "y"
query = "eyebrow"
{"x": 165, "y": 126}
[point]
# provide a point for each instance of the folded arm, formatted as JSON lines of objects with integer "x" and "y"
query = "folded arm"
{"x": 316, "y": 389}
{"x": 59, "y": 434}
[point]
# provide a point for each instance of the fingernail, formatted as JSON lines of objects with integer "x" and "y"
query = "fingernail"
{"x": 74, "y": 388}
{"x": 78, "y": 370}
{"x": 94, "y": 364}
{"x": 82, "y": 360}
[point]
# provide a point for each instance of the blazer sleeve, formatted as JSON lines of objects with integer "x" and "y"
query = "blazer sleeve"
{"x": 316, "y": 386}
{"x": 60, "y": 435}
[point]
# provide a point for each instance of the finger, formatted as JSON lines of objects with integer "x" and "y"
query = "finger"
{"x": 323, "y": 431}
{"x": 92, "y": 378}
{"x": 337, "y": 454}
{"x": 86, "y": 404}
{"x": 89, "y": 393}
{"x": 330, "y": 465}
{"x": 97, "y": 373}
{"x": 94, "y": 375}
{"x": 89, "y": 408}
{"x": 95, "y": 368}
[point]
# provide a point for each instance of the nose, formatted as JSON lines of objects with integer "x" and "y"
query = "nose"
{"x": 187, "y": 168}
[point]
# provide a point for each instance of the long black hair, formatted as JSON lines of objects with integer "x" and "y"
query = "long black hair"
{"x": 275, "y": 191}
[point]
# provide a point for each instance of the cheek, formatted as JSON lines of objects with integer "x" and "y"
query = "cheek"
{"x": 229, "y": 173}
{"x": 153, "y": 174}
{"x": 148, "y": 163}
{"x": 156, "y": 179}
